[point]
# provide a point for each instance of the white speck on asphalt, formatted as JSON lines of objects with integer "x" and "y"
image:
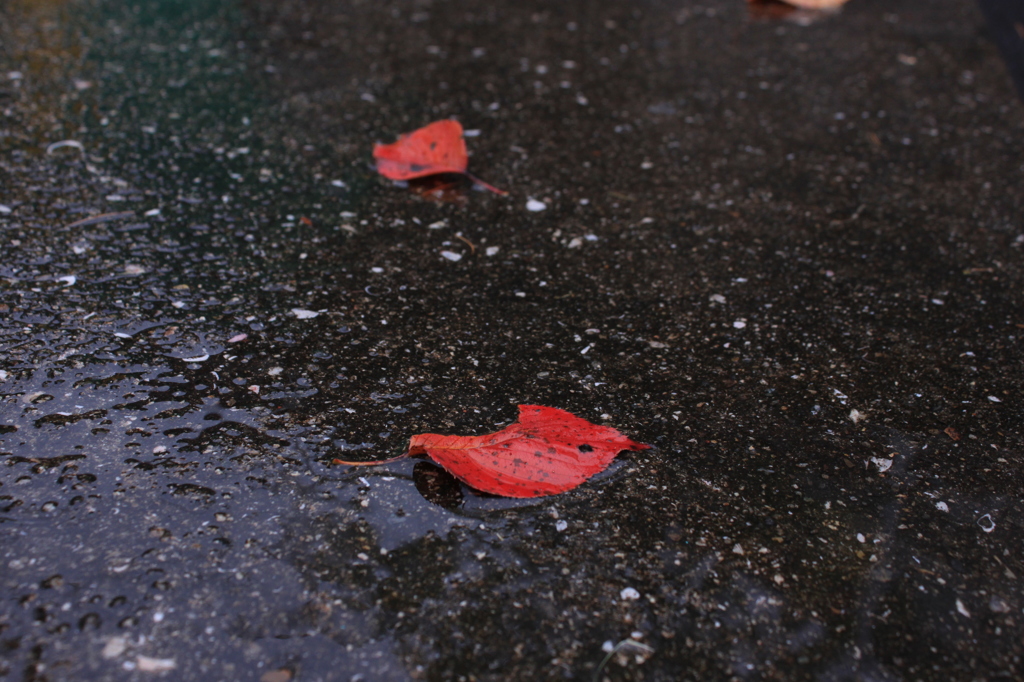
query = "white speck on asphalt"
{"x": 534, "y": 205}
{"x": 882, "y": 464}
{"x": 197, "y": 358}
{"x": 155, "y": 665}
{"x": 65, "y": 143}
{"x": 114, "y": 647}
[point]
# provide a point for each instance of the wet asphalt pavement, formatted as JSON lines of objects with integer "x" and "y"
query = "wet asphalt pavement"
{"x": 786, "y": 251}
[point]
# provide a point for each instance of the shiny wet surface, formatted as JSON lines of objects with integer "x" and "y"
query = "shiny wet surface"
{"x": 788, "y": 256}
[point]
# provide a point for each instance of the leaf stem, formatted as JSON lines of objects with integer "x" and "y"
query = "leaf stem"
{"x": 370, "y": 463}
{"x": 486, "y": 185}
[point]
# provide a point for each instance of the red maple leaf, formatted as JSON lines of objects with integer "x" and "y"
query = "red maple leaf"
{"x": 776, "y": 9}
{"x": 432, "y": 149}
{"x": 547, "y": 451}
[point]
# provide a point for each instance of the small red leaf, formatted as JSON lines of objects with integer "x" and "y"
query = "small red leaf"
{"x": 777, "y": 9}
{"x": 547, "y": 451}
{"x": 432, "y": 149}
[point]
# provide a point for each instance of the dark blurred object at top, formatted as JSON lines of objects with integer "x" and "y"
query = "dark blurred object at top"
{"x": 1006, "y": 21}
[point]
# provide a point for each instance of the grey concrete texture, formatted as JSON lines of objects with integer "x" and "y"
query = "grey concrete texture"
{"x": 783, "y": 248}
